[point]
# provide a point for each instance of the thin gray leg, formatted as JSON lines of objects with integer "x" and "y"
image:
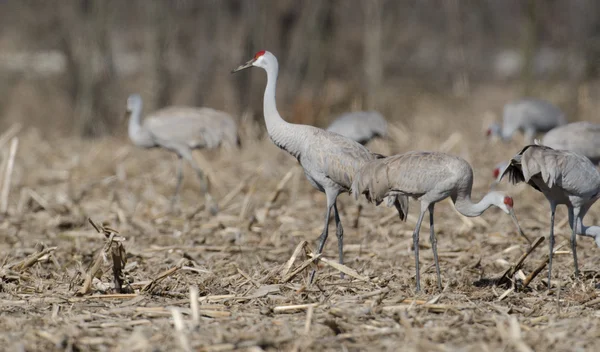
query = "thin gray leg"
{"x": 323, "y": 237}
{"x": 433, "y": 240}
{"x": 416, "y": 247}
{"x": 529, "y": 136}
{"x": 211, "y": 205}
{"x": 577, "y": 219}
{"x": 551, "y": 240}
{"x": 339, "y": 232}
{"x": 175, "y": 198}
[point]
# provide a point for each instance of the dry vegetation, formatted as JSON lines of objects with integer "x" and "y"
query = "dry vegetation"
{"x": 234, "y": 281}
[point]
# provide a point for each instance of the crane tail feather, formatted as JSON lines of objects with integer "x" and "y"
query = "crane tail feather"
{"x": 401, "y": 204}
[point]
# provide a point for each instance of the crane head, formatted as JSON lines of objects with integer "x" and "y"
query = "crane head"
{"x": 506, "y": 203}
{"x": 494, "y": 130}
{"x": 258, "y": 60}
{"x": 134, "y": 102}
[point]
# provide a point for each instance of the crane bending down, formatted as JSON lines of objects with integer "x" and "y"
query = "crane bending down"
{"x": 565, "y": 178}
{"x": 360, "y": 126}
{"x": 328, "y": 159}
{"x": 428, "y": 177}
{"x": 528, "y": 115}
{"x": 181, "y": 129}
{"x": 580, "y": 137}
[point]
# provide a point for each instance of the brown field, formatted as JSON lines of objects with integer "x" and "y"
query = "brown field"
{"x": 237, "y": 259}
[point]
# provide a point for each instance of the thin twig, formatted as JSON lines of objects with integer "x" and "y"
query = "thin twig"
{"x": 14, "y": 144}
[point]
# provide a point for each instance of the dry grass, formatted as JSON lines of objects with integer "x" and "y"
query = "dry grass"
{"x": 232, "y": 281}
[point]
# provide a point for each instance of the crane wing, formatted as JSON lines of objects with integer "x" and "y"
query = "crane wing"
{"x": 335, "y": 156}
{"x": 194, "y": 127}
{"x": 569, "y": 171}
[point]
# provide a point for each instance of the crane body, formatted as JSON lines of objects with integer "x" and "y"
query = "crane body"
{"x": 360, "y": 126}
{"x": 181, "y": 129}
{"x": 579, "y": 137}
{"x": 428, "y": 177}
{"x": 563, "y": 177}
{"x": 528, "y": 115}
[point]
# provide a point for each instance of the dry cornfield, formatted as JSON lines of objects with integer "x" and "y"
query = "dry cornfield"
{"x": 238, "y": 281}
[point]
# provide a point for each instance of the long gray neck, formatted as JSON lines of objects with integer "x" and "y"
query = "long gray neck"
{"x": 280, "y": 131}
{"x": 466, "y": 207}
{"x": 581, "y": 229}
{"x": 137, "y": 133}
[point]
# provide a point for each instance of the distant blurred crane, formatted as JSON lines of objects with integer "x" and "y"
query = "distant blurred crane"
{"x": 497, "y": 172}
{"x": 563, "y": 177}
{"x": 360, "y": 126}
{"x": 428, "y": 177}
{"x": 579, "y": 137}
{"x": 328, "y": 159}
{"x": 181, "y": 129}
{"x": 530, "y": 116}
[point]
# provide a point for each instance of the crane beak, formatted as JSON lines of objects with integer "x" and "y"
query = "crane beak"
{"x": 514, "y": 219}
{"x": 244, "y": 66}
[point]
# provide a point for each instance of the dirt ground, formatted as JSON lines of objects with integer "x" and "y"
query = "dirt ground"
{"x": 249, "y": 297}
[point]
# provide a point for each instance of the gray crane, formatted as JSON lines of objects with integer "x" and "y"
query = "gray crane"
{"x": 497, "y": 172}
{"x": 565, "y": 178}
{"x": 529, "y": 115}
{"x": 360, "y": 126}
{"x": 428, "y": 177}
{"x": 329, "y": 160}
{"x": 580, "y": 137}
{"x": 181, "y": 129}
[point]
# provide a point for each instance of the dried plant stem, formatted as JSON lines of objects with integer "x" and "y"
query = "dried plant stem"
{"x": 14, "y": 144}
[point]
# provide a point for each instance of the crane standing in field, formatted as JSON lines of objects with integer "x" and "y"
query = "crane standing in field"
{"x": 563, "y": 177}
{"x": 428, "y": 177}
{"x": 360, "y": 126}
{"x": 580, "y": 137}
{"x": 181, "y": 129}
{"x": 328, "y": 159}
{"x": 528, "y": 115}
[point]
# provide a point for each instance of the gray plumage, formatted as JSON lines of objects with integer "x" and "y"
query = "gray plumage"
{"x": 329, "y": 160}
{"x": 360, "y": 126}
{"x": 565, "y": 178}
{"x": 530, "y": 116}
{"x": 428, "y": 177}
{"x": 181, "y": 129}
{"x": 579, "y": 137}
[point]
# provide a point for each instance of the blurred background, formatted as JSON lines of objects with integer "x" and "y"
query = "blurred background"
{"x": 68, "y": 66}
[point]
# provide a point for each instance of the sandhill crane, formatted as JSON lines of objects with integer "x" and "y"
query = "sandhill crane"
{"x": 565, "y": 178}
{"x": 579, "y": 137}
{"x": 360, "y": 126}
{"x": 429, "y": 177}
{"x": 328, "y": 159}
{"x": 181, "y": 129}
{"x": 528, "y": 115}
{"x": 497, "y": 172}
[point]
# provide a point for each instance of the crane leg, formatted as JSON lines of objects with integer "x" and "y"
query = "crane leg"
{"x": 210, "y": 203}
{"x": 339, "y": 232}
{"x": 529, "y": 136}
{"x": 574, "y": 239}
{"x": 175, "y": 198}
{"x": 323, "y": 236}
{"x": 433, "y": 241}
{"x": 551, "y": 241}
{"x": 416, "y": 247}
